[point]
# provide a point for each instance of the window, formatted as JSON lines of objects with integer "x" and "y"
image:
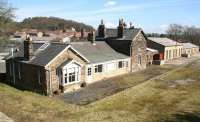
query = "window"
{"x": 166, "y": 55}
{"x": 126, "y": 63}
{"x": 72, "y": 77}
{"x": 89, "y": 71}
{"x": 65, "y": 77}
{"x": 44, "y": 46}
{"x": 120, "y": 64}
{"x": 98, "y": 68}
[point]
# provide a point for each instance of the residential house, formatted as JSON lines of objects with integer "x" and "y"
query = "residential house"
{"x": 48, "y": 68}
{"x": 168, "y": 49}
{"x": 189, "y": 49}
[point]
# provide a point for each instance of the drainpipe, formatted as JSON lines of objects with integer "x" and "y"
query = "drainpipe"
{"x": 131, "y": 57}
{"x": 13, "y": 65}
{"x": 49, "y": 92}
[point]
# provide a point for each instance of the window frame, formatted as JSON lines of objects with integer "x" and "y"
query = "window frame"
{"x": 89, "y": 71}
{"x": 98, "y": 68}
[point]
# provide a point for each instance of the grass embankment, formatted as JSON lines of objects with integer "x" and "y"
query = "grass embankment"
{"x": 167, "y": 98}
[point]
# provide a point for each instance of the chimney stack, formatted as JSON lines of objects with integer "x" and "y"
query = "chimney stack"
{"x": 82, "y": 33}
{"x": 91, "y": 37}
{"x": 120, "y": 32}
{"x": 102, "y": 29}
{"x": 28, "y": 48}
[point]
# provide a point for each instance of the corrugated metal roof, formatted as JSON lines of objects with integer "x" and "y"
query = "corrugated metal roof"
{"x": 101, "y": 52}
{"x": 164, "y": 41}
{"x": 189, "y": 45}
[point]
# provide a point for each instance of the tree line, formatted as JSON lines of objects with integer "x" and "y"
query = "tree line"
{"x": 180, "y": 33}
{"x": 184, "y": 33}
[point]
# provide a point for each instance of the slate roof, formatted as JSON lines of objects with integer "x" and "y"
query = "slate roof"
{"x": 20, "y": 53}
{"x": 129, "y": 33}
{"x": 189, "y": 45}
{"x": 43, "y": 57}
{"x": 164, "y": 41}
{"x": 101, "y": 52}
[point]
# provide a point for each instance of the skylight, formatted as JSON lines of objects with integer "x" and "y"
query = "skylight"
{"x": 44, "y": 46}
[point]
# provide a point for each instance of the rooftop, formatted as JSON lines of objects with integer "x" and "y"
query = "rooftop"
{"x": 129, "y": 33}
{"x": 165, "y": 41}
{"x": 189, "y": 45}
{"x": 100, "y": 52}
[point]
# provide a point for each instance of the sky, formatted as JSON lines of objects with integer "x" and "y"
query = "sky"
{"x": 153, "y": 16}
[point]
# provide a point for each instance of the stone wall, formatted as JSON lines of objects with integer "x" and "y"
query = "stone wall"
{"x": 52, "y": 67}
{"x": 138, "y": 53}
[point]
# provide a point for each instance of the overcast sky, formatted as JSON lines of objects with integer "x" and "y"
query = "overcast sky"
{"x": 151, "y": 15}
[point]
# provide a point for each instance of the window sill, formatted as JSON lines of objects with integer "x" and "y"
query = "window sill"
{"x": 66, "y": 84}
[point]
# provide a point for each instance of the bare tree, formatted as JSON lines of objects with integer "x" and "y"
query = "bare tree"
{"x": 184, "y": 33}
{"x": 6, "y": 16}
{"x": 175, "y": 31}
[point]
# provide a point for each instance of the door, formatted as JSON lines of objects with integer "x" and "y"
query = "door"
{"x": 89, "y": 74}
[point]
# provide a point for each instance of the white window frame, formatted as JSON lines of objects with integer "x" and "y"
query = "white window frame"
{"x": 97, "y": 67}
{"x": 124, "y": 64}
{"x": 65, "y": 74}
{"x": 89, "y": 71}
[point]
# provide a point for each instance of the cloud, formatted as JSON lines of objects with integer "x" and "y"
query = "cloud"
{"x": 110, "y": 3}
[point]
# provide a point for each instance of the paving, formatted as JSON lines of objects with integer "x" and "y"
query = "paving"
{"x": 4, "y": 118}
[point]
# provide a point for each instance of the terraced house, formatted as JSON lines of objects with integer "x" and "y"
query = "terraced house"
{"x": 48, "y": 68}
